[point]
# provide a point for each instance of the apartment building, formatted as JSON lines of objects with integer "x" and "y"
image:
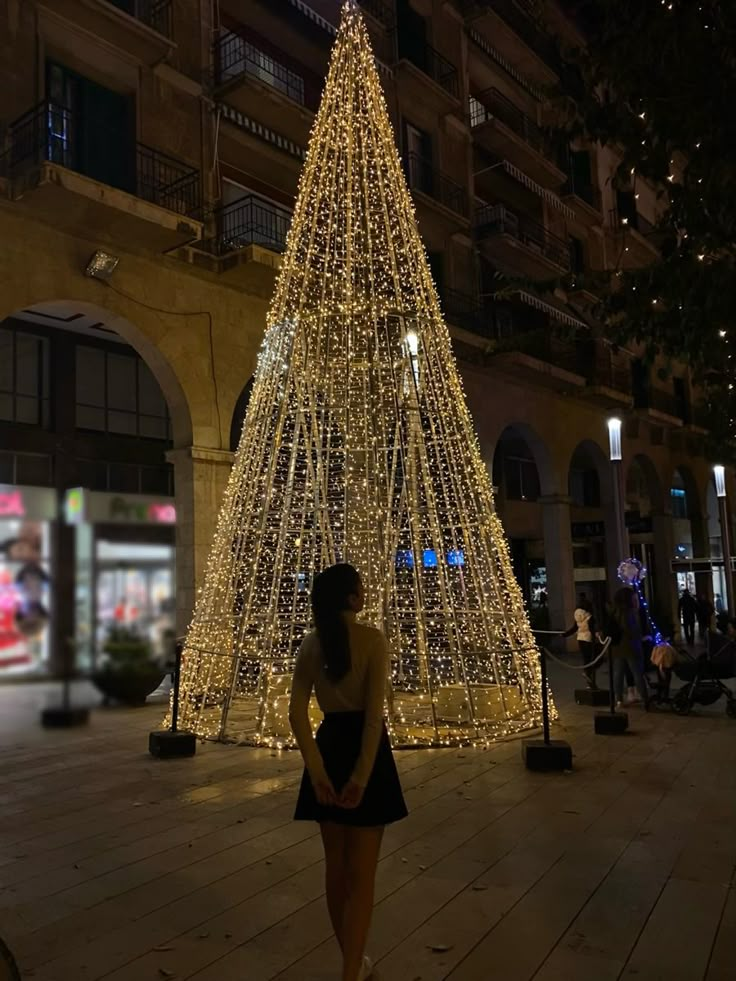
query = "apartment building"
{"x": 149, "y": 161}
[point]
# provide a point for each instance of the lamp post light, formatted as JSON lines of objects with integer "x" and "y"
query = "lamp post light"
{"x": 616, "y": 457}
{"x": 719, "y": 473}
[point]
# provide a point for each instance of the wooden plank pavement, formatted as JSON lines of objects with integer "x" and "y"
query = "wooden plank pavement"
{"x": 116, "y": 866}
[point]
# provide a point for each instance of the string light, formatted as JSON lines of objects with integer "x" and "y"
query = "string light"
{"x": 358, "y": 446}
{"x": 633, "y": 573}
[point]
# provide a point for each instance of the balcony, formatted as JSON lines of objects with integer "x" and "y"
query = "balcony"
{"x": 517, "y": 243}
{"x": 661, "y": 406}
{"x": 142, "y": 28}
{"x": 507, "y": 22}
{"x": 537, "y": 354}
{"x": 432, "y": 184}
{"x": 584, "y": 199}
{"x": 248, "y": 237}
{"x": 639, "y": 231}
{"x": 609, "y": 379}
{"x": 420, "y": 62}
{"x": 505, "y": 131}
{"x": 381, "y": 12}
{"x": 54, "y": 170}
{"x": 466, "y": 311}
{"x": 257, "y": 84}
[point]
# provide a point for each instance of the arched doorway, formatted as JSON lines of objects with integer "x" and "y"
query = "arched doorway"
{"x": 239, "y": 413}
{"x": 87, "y": 533}
{"x": 522, "y": 476}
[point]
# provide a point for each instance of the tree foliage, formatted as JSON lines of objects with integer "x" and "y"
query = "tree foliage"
{"x": 657, "y": 80}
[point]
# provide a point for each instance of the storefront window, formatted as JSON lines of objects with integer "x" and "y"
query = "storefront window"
{"x": 25, "y": 582}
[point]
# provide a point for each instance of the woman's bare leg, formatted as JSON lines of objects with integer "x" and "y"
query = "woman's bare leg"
{"x": 333, "y": 840}
{"x": 363, "y": 846}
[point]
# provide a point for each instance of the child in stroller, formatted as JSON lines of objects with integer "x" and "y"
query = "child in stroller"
{"x": 703, "y": 675}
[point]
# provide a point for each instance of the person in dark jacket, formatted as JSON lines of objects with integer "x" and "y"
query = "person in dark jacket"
{"x": 688, "y": 609}
{"x": 704, "y": 614}
{"x": 624, "y": 628}
{"x": 585, "y": 632}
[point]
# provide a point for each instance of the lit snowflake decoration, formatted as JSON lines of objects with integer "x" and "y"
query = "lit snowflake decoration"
{"x": 631, "y": 571}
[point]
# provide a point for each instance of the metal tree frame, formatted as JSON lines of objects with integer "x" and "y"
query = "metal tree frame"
{"x": 358, "y": 446}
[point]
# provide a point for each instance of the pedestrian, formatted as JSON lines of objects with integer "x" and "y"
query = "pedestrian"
{"x": 585, "y": 632}
{"x": 624, "y": 629}
{"x": 350, "y": 784}
{"x": 687, "y": 608}
{"x": 719, "y": 603}
{"x": 704, "y": 615}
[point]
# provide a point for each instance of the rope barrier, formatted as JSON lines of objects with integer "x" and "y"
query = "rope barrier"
{"x": 574, "y": 667}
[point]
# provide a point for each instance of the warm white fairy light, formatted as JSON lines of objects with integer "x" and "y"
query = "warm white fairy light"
{"x": 358, "y": 445}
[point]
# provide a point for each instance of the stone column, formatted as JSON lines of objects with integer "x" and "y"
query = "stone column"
{"x": 200, "y": 477}
{"x": 559, "y": 559}
{"x": 665, "y": 593}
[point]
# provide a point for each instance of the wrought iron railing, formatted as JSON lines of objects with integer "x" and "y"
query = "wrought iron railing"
{"x": 427, "y": 179}
{"x": 466, "y": 311}
{"x": 496, "y": 219}
{"x": 432, "y": 63}
{"x": 492, "y": 104}
{"x": 379, "y": 10}
{"x": 251, "y": 220}
{"x": 584, "y": 191}
{"x": 156, "y": 14}
{"x": 237, "y": 58}
{"x": 51, "y": 133}
{"x": 519, "y": 15}
{"x": 632, "y": 220}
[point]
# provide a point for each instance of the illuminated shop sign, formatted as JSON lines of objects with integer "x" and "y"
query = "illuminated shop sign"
{"x": 96, "y": 507}
{"x": 36, "y": 503}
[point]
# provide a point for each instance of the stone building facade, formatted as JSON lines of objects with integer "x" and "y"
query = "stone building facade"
{"x": 170, "y": 134}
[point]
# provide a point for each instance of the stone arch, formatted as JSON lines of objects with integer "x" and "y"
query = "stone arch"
{"x": 238, "y": 418}
{"x": 522, "y": 433}
{"x": 589, "y": 452}
{"x": 643, "y": 476}
{"x": 56, "y": 312}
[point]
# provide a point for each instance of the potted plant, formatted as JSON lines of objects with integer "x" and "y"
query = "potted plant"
{"x": 129, "y": 673}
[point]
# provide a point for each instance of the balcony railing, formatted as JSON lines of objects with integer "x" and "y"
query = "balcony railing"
{"x": 251, "y": 220}
{"x": 236, "y": 58}
{"x": 51, "y": 133}
{"x": 496, "y": 219}
{"x": 519, "y": 15}
{"x": 379, "y": 10}
{"x": 634, "y": 221}
{"x": 585, "y": 192}
{"x": 491, "y": 104}
{"x": 155, "y": 14}
{"x": 432, "y": 63}
{"x": 425, "y": 178}
{"x": 466, "y": 311}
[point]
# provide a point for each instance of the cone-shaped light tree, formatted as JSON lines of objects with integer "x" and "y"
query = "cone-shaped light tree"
{"x": 358, "y": 446}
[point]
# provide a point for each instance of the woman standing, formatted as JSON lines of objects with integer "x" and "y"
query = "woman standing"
{"x": 350, "y": 783}
{"x": 624, "y": 629}
{"x": 586, "y": 632}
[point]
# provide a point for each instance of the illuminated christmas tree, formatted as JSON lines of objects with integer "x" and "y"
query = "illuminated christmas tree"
{"x": 358, "y": 446}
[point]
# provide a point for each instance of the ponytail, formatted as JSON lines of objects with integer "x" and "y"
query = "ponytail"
{"x": 330, "y": 599}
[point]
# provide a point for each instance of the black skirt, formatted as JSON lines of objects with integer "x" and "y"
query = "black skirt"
{"x": 339, "y": 738}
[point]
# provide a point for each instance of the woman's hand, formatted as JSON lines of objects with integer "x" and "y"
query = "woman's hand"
{"x": 325, "y": 792}
{"x": 351, "y": 796}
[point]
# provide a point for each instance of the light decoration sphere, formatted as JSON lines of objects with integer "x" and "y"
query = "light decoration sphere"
{"x": 632, "y": 572}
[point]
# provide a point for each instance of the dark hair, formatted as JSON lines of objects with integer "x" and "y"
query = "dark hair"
{"x": 330, "y": 593}
{"x": 623, "y": 599}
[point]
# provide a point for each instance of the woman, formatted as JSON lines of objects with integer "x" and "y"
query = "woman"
{"x": 585, "y": 632}
{"x": 350, "y": 783}
{"x": 624, "y": 629}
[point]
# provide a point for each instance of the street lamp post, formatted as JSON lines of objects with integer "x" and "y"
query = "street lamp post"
{"x": 719, "y": 473}
{"x": 616, "y": 457}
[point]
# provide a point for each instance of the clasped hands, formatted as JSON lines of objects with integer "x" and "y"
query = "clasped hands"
{"x": 349, "y": 797}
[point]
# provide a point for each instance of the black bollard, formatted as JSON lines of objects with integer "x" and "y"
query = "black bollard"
{"x": 611, "y": 723}
{"x": 546, "y": 754}
{"x": 173, "y": 743}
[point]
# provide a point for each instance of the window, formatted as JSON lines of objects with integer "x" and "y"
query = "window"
{"x": 577, "y": 255}
{"x": 24, "y": 378}
{"x": 678, "y": 497}
{"x": 117, "y": 394}
{"x": 126, "y": 478}
{"x": 585, "y": 489}
{"x": 640, "y": 384}
{"x": 33, "y": 469}
{"x": 240, "y": 57}
{"x": 418, "y": 158}
{"x": 682, "y": 403}
{"x": 521, "y": 479}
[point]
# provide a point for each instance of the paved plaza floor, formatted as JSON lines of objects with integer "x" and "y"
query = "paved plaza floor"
{"x": 117, "y": 866}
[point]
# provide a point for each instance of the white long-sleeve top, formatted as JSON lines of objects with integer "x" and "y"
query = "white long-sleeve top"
{"x": 362, "y": 689}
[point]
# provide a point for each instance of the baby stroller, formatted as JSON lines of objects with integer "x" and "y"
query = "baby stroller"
{"x": 703, "y": 676}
